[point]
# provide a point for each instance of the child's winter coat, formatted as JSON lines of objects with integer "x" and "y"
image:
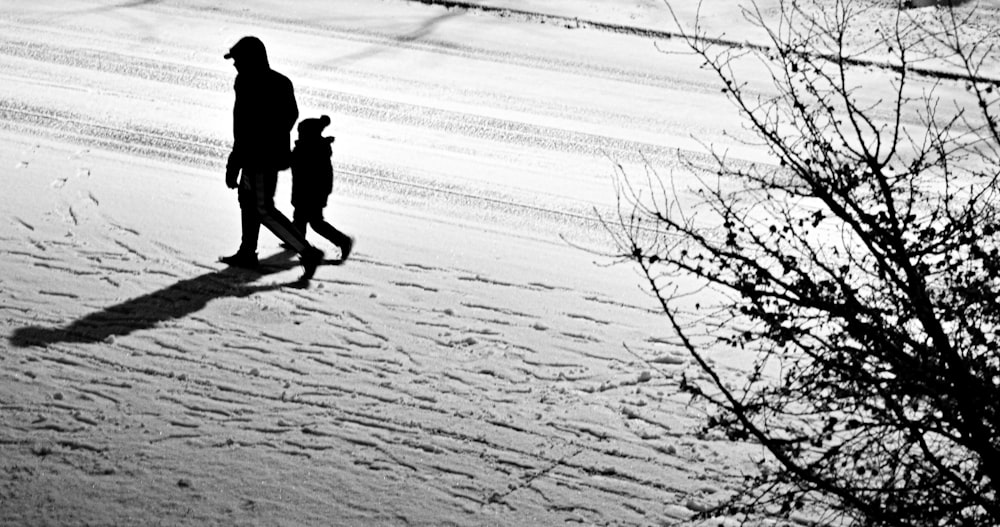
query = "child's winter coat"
{"x": 312, "y": 170}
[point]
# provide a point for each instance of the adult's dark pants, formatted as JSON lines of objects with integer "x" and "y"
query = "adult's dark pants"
{"x": 256, "y": 195}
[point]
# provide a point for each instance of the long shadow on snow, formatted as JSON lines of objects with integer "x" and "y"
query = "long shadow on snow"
{"x": 144, "y": 312}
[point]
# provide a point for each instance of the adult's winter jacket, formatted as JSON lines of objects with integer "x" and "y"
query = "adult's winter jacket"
{"x": 263, "y": 116}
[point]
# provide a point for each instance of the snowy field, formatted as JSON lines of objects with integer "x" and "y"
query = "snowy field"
{"x": 474, "y": 363}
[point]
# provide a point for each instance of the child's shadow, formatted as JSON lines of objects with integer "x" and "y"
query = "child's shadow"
{"x": 176, "y": 301}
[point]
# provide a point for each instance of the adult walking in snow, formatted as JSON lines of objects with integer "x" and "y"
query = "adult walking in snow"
{"x": 263, "y": 116}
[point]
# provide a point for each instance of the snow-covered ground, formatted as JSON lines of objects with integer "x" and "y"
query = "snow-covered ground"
{"x": 474, "y": 363}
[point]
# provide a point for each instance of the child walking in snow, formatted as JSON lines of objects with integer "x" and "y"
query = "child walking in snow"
{"x": 312, "y": 182}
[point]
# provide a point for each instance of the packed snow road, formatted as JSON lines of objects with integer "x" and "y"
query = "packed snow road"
{"x": 466, "y": 367}
{"x": 447, "y": 107}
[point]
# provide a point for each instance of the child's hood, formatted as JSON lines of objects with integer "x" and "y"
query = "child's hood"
{"x": 313, "y": 127}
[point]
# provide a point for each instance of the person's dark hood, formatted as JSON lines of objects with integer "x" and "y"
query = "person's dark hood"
{"x": 251, "y": 52}
{"x": 313, "y": 128}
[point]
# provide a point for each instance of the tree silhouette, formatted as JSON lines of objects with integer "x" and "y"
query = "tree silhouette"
{"x": 860, "y": 270}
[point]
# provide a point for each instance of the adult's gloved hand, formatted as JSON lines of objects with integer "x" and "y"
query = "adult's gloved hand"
{"x": 232, "y": 176}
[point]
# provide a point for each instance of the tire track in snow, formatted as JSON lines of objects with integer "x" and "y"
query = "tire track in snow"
{"x": 659, "y": 34}
{"x": 384, "y": 110}
{"x": 165, "y": 145}
{"x": 185, "y": 147}
{"x": 438, "y": 47}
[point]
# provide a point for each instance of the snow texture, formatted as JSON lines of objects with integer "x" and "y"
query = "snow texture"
{"x": 467, "y": 365}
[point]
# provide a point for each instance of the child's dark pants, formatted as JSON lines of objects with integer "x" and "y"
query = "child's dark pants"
{"x": 312, "y": 216}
